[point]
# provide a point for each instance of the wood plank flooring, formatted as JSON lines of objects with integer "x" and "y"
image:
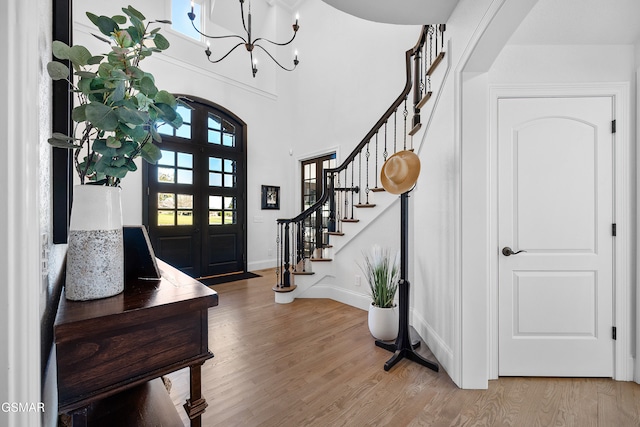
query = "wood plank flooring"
{"x": 313, "y": 363}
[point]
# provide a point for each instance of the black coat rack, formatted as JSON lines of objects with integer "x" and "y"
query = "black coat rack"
{"x": 403, "y": 347}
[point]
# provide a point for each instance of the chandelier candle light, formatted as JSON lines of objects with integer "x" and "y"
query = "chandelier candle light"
{"x": 248, "y": 42}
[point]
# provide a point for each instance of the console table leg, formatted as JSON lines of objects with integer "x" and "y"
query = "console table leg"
{"x": 195, "y": 405}
{"x": 79, "y": 417}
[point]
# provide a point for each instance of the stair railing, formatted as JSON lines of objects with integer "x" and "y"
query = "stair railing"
{"x": 346, "y": 187}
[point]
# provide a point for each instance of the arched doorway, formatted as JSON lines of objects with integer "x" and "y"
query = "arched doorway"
{"x": 195, "y": 197}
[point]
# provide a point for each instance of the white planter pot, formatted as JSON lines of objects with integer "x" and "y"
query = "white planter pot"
{"x": 95, "y": 253}
{"x": 383, "y": 322}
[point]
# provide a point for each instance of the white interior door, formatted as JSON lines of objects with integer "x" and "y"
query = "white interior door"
{"x": 555, "y": 200}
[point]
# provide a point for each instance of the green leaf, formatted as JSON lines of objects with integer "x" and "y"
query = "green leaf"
{"x": 151, "y": 153}
{"x": 95, "y": 60}
{"x": 177, "y": 122}
{"x": 155, "y": 135}
{"x": 135, "y": 34}
{"x": 131, "y": 166}
{"x": 116, "y": 172}
{"x": 148, "y": 87}
{"x": 93, "y": 18}
{"x": 119, "y": 161}
{"x": 118, "y": 93}
{"x": 164, "y": 97}
{"x": 131, "y": 12}
{"x": 78, "y": 113}
{"x": 62, "y": 144}
{"x": 112, "y": 142}
{"x": 86, "y": 74}
{"x": 102, "y": 39}
{"x": 104, "y": 70}
{"x": 129, "y": 116}
{"x": 79, "y": 55}
{"x": 128, "y": 149}
{"x": 137, "y": 133}
{"x": 120, "y": 19}
{"x": 106, "y": 25}
{"x": 101, "y": 116}
{"x": 57, "y": 70}
{"x": 123, "y": 38}
{"x": 161, "y": 42}
{"x": 60, "y": 49}
{"x": 163, "y": 21}
{"x": 134, "y": 72}
{"x": 167, "y": 113}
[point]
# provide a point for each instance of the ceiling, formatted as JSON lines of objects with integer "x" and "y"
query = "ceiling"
{"x": 579, "y": 22}
{"x": 415, "y": 12}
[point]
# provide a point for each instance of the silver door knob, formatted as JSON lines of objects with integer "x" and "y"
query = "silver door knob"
{"x": 507, "y": 251}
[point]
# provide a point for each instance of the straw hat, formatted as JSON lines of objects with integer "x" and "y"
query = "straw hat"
{"x": 400, "y": 172}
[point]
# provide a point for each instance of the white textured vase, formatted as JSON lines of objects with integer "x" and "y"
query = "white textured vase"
{"x": 383, "y": 322}
{"x": 95, "y": 253}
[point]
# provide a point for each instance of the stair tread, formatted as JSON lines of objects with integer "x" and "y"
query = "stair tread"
{"x": 435, "y": 63}
{"x": 303, "y": 273}
{"x": 424, "y": 99}
{"x": 321, "y": 259}
{"x": 377, "y": 189}
{"x": 350, "y": 220}
{"x": 335, "y": 233}
{"x": 415, "y": 129}
{"x": 364, "y": 205}
{"x": 288, "y": 289}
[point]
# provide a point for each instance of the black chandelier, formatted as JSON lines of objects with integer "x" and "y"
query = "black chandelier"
{"x": 248, "y": 42}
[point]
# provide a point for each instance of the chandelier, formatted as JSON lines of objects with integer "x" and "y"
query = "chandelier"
{"x": 248, "y": 41}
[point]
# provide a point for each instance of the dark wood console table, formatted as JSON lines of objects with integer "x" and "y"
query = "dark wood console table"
{"x": 114, "y": 346}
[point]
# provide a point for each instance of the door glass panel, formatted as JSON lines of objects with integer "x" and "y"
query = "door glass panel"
{"x": 215, "y": 217}
{"x": 185, "y": 160}
{"x": 228, "y": 165}
{"x": 166, "y": 175}
{"x": 228, "y": 140}
{"x": 213, "y": 137}
{"x": 185, "y": 176}
{"x": 167, "y": 159}
{"x": 215, "y": 202}
{"x": 185, "y": 201}
{"x": 214, "y": 122}
{"x": 228, "y": 181}
{"x": 215, "y": 179}
{"x": 166, "y": 201}
{"x": 166, "y": 218}
{"x": 215, "y": 164}
{"x": 185, "y": 217}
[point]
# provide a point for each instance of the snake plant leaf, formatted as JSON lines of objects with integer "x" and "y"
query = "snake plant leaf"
{"x": 102, "y": 116}
{"x": 60, "y": 49}
{"x": 57, "y": 70}
{"x": 79, "y": 55}
{"x": 151, "y": 153}
{"x": 161, "y": 42}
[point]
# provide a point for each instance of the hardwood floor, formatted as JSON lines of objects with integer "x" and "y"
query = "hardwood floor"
{"x": 313, "y": 363}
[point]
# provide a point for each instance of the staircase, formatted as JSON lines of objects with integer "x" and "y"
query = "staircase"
{"x": 352, "y": 195}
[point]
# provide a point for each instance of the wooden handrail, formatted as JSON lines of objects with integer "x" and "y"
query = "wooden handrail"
{"x": 376, "y": 127}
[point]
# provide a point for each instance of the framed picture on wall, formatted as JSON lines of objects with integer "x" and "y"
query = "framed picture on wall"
{"x": 270, "y": 197}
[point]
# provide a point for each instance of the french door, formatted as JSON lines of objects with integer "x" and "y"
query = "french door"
{"x": 195, "y": 196}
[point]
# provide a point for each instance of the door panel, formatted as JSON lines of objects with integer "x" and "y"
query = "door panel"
{"x": 555, "y": 197}
{"x": 196, "y": 193}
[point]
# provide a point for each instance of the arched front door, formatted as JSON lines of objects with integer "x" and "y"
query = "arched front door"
{"x": 195, "y": 205}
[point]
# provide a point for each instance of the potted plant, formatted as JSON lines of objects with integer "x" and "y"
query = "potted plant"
{"x": 118, "y": 109}
{"x": 382, "y": 272}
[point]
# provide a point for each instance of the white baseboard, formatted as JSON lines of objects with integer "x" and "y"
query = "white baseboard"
{"x": 320, "y": 290}
{"x": 436, "y": 344}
